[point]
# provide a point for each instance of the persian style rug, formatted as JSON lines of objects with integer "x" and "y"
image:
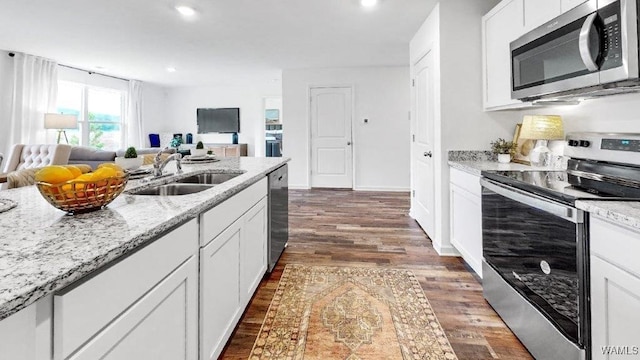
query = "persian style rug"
{"x": 350, "y": 313}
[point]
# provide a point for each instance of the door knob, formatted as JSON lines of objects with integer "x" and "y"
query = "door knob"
{"x": 428, "y": 154}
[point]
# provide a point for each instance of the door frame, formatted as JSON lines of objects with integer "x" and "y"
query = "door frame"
{"x": 353, "y": 133}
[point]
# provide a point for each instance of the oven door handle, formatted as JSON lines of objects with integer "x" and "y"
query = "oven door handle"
{"x": 540, "y": 203}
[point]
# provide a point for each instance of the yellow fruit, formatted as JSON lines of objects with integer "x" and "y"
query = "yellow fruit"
{"x": 74, "y": 170}
{"x": 104, "y": 173}
{"x": 54, "y": 174}
{"x": 84, "y": 168}
{"x": 110, "y": 165}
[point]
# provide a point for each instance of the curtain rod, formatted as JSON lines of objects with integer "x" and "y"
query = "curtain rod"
{"x": 87, "y": 71}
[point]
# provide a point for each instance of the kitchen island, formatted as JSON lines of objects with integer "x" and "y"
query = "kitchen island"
{"x": 44, "y": 252}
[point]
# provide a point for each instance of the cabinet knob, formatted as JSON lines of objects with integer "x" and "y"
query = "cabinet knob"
{"x": 349, "y": 143}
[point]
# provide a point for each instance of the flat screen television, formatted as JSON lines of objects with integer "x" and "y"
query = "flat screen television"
{"x": 222, "y": 120}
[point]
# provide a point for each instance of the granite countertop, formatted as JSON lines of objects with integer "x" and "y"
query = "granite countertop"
{"x": 476, "y": 167}
{"x": 476, "y": 161}
{"x": 43, "y": 250}
{"x": 621, "y": 212}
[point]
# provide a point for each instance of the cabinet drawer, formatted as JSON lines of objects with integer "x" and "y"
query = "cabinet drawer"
{"x": 214, "y": 221}
{"x": 616, "y": 244}
{"x": 161, "y": 325}
{"x": 466, "y": 181}
{"x": 80, "y": 311}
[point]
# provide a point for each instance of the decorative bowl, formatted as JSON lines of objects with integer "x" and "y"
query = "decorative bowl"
{"x": 129, "y": 163}
{"x": 198, "y": 152}
{"x": 82, "y": 196}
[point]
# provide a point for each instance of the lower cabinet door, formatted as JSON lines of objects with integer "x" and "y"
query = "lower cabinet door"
{"x": 220, "y": 306}
{"x": 253, "y": 250}
{"x": 163, "y": 324}
{"x": 466, "y": 225}
{"x": 615, "y": 319}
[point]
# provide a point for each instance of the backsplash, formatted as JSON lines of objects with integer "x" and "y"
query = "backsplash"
{"x": 471, "y": 155}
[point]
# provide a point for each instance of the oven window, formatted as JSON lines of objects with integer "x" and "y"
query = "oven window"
{"x": 536, "y": 253}
{"x": 553, "y": 57}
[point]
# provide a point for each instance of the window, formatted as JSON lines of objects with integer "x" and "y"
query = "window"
{"x": 100, "y": 114}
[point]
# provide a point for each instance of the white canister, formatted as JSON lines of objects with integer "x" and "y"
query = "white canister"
{"x": 504, "y": 158}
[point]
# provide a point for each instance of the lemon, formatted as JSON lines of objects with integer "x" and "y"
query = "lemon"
{"x": 104, "y": 173}
{"x": 110, "y": 165}
{"x": 74, "y": 170}
{"x": 84, "y": 168}
{"x": 53, "y": 174}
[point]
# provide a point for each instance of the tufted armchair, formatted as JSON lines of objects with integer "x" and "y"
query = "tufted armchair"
{"x": 32, "y": 156}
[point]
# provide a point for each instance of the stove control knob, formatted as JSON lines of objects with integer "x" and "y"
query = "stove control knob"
{"x": 573, "y": 142}
{"x": 585, "y": 143}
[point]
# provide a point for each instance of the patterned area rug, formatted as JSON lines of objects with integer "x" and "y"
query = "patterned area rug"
{"x": 350, "y": 313}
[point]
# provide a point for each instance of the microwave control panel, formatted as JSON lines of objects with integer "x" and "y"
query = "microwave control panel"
{"x": 611, "y": 36}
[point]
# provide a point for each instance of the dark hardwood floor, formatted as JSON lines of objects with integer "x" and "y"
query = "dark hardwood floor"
{"x": 347, "y": 228}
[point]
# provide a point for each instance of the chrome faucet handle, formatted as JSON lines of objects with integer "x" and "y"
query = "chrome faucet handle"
{"x": 178, "y": 163}
{"x": 156, "y": 159}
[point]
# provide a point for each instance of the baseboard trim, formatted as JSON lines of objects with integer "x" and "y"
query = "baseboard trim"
{"x": 446, "y": 250}
{"x": 299, "y": 187}
{"x": 381, "y": 189}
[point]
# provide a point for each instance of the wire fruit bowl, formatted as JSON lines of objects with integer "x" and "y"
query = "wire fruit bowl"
{"x": 83, "y": 196}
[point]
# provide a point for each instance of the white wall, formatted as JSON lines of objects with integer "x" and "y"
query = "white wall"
{"x": 154, "y": 108}
{"x": 182, "y": 102}
{"x": 381, "y": 147}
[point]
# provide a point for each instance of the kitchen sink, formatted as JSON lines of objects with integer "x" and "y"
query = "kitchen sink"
{"x": 173, "y": 189}
{"x": 207, "y": 178}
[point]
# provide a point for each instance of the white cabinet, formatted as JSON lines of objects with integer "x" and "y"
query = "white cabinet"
{"x": 466, "y": 217}
{"x": 27, "y": 334}
{"x": 232, "y": 264}
{"x": 161, "y": 325}
{"x": 503, "y": 24}
{"x": 615, "y": 290}
{"x": 220, "y": 307}
{"x": 538, "y": 12}
{"x": 253, "y": 250}
{"x": 566, "y": 5}
{"x": 144, "y": 316}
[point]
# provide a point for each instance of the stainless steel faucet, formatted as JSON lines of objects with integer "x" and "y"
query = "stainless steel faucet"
{"x": 159, "y": 164}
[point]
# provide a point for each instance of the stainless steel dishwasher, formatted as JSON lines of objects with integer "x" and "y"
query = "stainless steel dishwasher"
{"x": 278, "y": 213}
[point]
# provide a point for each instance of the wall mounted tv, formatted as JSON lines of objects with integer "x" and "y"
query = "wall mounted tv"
{"x": 222, "y": 120}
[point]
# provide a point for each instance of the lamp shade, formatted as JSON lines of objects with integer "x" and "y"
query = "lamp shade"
{"x": 542, "y": 127}
{"x": 60, "y": 121}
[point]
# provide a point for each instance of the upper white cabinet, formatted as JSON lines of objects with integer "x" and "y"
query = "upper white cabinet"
{"x": 615, "y": 290}
{"x": 466, "y": 217}
{"x": 503, "y": 24}
{"x": 566, "y": 5}
{"x": 538, "y": 12}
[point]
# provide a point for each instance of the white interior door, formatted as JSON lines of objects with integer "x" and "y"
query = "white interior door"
{"x": 331, "y": 148}
{"x": 424, "y": 113}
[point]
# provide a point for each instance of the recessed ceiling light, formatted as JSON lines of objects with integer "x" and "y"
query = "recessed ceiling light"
{"x": 185, "y": 10}
{"x": 368, "y": 3}
{"x": 171, "y": 69}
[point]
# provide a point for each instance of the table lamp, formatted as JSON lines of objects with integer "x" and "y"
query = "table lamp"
{"x": 60, "y": 122}
{"x": 541, "y": 128}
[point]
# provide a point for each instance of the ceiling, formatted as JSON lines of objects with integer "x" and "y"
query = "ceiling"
{"x": 227, "y": 40}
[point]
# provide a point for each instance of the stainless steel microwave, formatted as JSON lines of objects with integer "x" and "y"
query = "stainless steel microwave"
{"x": 592, "y": 46}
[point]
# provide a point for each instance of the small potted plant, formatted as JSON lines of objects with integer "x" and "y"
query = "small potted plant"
{"x": 504, "y": 149}
{"x": 130, "y": 161}
{"x": 199, "y": 151}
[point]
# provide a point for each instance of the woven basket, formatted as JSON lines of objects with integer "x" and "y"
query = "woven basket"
{"x": 82, "y": 196}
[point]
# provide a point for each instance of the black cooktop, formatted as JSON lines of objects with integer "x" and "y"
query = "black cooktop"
{"x": 549, "y": 184}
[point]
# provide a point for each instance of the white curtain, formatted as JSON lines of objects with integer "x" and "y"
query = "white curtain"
{"x": 134, "y": 135}
{"x": 34, "y": 93}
